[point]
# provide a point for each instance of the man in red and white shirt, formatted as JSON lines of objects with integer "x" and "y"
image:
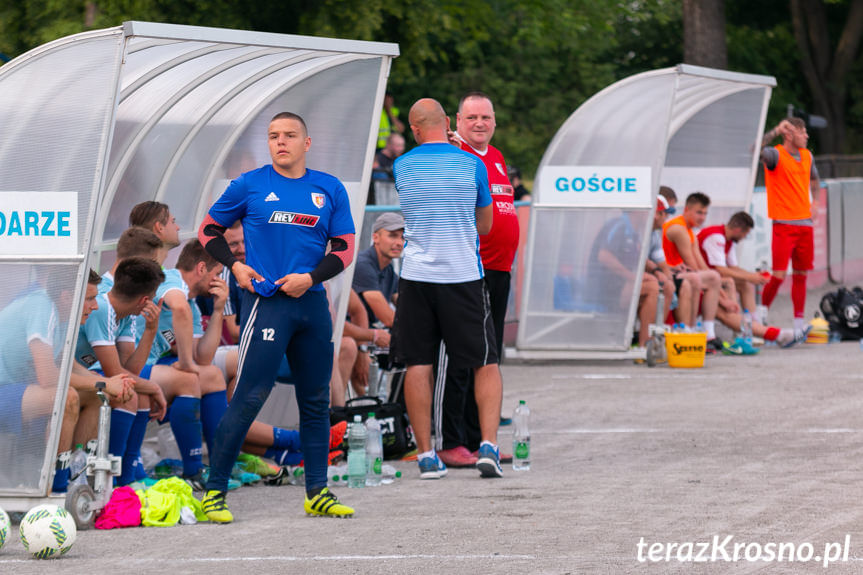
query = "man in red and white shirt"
{"x": 455, "y": 419}
{"x": 717, "y": 248}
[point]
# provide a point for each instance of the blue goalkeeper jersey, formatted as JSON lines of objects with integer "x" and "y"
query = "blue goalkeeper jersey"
{"x": 286, "y": 222}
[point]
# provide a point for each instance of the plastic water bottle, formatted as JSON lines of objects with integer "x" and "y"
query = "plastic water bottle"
{"x": 383, "y": 386}
{"x": 357, "y": 453}
{"x": 389, "y": 474}
{"x": 338, "y": 475}
{"x": 521, "y": 438}
{"x": 747, "y": 326}
{"x": 78, "y": 466}
{"x": 761, "y": 314}
{"x": 374, "y": 451}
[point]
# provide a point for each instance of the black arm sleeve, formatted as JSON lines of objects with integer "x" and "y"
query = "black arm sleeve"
{"x": 332, "y": 264}
{"x": 212, "y": 236}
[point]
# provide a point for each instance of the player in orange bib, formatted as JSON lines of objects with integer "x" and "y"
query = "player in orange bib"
{"x": 682, "y": 254}
{"x": 792, "y": 181}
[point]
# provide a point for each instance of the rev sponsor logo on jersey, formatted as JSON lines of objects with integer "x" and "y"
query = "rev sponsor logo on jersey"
{"x": 294, "y": 218}
{"x": 272, "y": 197}
{"x": 501, "y": 190}
{"x": 168, "y": 334}
{"x": 318, "y": 200}
{"x": 500, "y": 169}
{"x": 88, "y": 360}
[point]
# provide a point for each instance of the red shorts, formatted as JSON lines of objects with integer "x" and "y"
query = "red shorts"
{"x": 794, "y": 243}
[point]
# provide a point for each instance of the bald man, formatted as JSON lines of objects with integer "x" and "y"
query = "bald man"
{"x": 446, "y": 203}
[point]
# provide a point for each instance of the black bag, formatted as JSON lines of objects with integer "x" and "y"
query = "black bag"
{"x": 843, "y": 309}
{"x": 397, "y": 436}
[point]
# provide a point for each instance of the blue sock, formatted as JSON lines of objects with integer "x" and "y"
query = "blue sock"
{"x": 186, "y": 425}
{"x": 286, "y": 439}
{"x": 132, "y": 456}
{"x": 213, "y": 407}
{"x": 121, "y": 425}
{"x": 284, "y": 457}
{"x": 62, "y": 473}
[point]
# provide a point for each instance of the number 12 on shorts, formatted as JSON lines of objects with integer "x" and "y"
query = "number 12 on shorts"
{"x": 268, "y": 334}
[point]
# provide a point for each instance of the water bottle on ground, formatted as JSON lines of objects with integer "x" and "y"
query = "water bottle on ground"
{"x": 337, "y": 475}
{"x": 374, "y": 451}
{"x": 521, "y": 437}
{"x": 357, "y": 453}
{"x": 747, "y": 326}
{"x": 389, "y": 474}
{"x": 761, "y": 314}
{"x": 78, "y": 466}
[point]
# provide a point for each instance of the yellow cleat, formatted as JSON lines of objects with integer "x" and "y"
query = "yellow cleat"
{"x": 216, "y": 508}
{"x": 326, "y": 504}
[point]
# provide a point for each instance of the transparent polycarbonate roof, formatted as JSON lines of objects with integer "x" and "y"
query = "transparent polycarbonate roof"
{"x": 193, "y": 105}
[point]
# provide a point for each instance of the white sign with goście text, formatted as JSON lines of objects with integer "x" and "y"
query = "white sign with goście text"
{"x": 38, "y": 223}
{"x": 595, "y": 186}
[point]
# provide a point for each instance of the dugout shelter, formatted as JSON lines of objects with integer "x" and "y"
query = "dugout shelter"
{"x": 100, "y": 121}
{"x": 687, "y": 127}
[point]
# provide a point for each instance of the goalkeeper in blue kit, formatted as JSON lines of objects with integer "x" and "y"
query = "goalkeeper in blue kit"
{"x": 290, "y": 216}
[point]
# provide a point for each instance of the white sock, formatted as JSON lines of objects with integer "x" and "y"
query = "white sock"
{"x": 488, "y": 443}
{"x": 709, "y": 327}
{"x": 799, "y": 324}
{"x": 425, "y": 454}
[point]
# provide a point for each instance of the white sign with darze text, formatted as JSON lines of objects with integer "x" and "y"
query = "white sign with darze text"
{"x": 595, "y": 186}
{"x": 38, "y": 223}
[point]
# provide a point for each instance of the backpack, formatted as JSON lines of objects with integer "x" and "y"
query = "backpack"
{"x": 843, "y": 309}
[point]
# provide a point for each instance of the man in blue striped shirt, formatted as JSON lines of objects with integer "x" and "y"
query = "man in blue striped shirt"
{"x": 445, "y": 200}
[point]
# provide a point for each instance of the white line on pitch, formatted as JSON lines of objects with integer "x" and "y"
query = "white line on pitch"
{"x": 297, "y": 558}
{"x": 350, "y": 558}
{"x": 666, "y": 376}
{"x": 608, "y": 430}
{"x": 597, "y": 430}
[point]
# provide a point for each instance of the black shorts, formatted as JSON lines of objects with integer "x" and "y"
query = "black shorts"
{"x": 678, "y": 281}
{"x": 459, "y": 314}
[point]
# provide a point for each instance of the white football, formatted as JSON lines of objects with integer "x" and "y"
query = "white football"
{"x": 5, "y": 526}
{"x": 48, "y": 531}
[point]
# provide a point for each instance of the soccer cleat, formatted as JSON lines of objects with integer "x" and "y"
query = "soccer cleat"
{"x": 431, "y": 467}
{"x": 489, "y": 461}
{"x": 216, "y": 508}
{"x": 326, "y": 504}
{"x": 337, "y": 434}
{"x": 287, "y": 475}
{"x": 732, "y": 349}
{"x": 254, "y": 464}
{"x": 457, "y": 457}
{"x": 746, "y": 346}
{"x": 799, "y": 337}
{"x": 197, "y": 481}
{"x": 714, "y": 345}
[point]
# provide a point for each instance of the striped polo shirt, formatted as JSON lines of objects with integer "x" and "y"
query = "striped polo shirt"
{"x": 439, "y": 189}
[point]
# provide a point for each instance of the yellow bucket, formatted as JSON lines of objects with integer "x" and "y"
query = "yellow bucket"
{"x": 686, "y": 349}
